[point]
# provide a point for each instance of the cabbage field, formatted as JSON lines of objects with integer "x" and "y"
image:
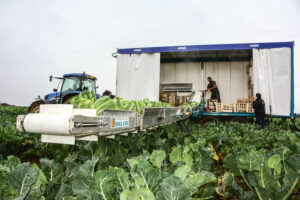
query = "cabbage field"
{"x": 175, "y": 162}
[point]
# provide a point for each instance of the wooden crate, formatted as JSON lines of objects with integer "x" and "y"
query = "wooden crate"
{"x": 251, "y": 99}
{"x": 172, "y": 100}
{"x": 172, "y": 94}
{"x": 242, "y": 100}
{"x": 250, "y": 108}
{"x": 182, "y": 99}
{"x": 227, "y": 108}
{"x": 219, "y": 107}
{"x": 164, "y": 95}
{"x": 240, "y": 107}
{"x": 164, "y": 100}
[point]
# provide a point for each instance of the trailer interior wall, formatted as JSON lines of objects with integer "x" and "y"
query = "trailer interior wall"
{"x": 231, "y": 77}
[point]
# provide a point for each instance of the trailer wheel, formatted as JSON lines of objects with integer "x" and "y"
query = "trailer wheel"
{"x": 204, "y": 120}
{"x": 239, "y": 119}
{"x": 35, "y": 106}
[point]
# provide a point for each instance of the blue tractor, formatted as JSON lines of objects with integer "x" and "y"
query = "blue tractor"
{"x": 70, "y": 85}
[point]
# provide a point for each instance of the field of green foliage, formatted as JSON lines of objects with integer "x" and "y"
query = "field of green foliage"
{"x": 176, "y": 162}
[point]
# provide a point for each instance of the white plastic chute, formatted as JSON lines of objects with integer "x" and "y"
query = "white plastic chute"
{"x": 272, "y": 78}
{"x": 138, "y": 76}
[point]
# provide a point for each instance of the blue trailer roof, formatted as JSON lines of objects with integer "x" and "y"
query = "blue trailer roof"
{"x": 212, "y": 47}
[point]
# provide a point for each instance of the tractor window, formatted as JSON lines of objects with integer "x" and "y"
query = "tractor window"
{"x": 89, "y": 84}
{"x": 71, "y": 84}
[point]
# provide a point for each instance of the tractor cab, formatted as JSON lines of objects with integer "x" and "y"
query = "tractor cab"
{"x": 69, "y": 85}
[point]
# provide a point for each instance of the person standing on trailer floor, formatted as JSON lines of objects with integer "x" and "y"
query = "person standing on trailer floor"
{"x": 259, "y": 110}
{"x": 212, "y": 86}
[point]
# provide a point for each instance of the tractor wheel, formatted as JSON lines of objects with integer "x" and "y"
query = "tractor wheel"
{"x": 239, "y": 119}
{"x": 204, "y": 120}
{"x": 35, "y": 106}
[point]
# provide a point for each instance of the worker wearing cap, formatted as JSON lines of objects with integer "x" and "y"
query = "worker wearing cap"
{"x": 212, "y": 86}
{"x": 259, "y": 110}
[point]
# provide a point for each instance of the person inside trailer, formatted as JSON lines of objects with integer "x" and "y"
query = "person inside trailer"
{"x": 212, "y": 86}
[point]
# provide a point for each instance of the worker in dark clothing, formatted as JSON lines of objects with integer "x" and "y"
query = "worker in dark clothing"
{"x": 108, "y": 93}
{"x": 259, "y": 109}
{"x": 212, "y": 86}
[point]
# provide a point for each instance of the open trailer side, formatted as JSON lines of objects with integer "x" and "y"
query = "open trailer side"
{"x": 148, "y": 72}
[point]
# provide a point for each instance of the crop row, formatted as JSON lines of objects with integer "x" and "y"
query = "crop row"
{"x": 177, "y": 161}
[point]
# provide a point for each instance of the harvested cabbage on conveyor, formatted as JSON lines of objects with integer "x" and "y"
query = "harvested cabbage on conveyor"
{"x": 88, "y": 99}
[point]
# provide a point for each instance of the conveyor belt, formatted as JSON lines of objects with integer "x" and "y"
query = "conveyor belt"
{"x": 63, "y": 124}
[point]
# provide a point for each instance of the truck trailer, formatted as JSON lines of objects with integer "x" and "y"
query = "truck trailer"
{"x": 240, "y": 71}
{"x": 170, "y": 74}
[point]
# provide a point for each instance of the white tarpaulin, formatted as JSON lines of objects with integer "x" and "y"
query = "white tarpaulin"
{"x": 272, "y": 78}
{"x": 138, "y": 76}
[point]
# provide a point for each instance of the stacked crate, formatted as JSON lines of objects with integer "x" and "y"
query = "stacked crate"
{"x": 250, "y": 108}
{"x": 182, "y": 99}
{"x": 240, "y": 107}
{"x": 227, "y": 108}
{"x": 220, "y": 107}
{"x": 172, "y": 98}
{"x": 243, "y": 100}
{"x": 164, "y": 97}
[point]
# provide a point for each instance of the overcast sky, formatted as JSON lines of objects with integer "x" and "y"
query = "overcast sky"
{"x": 39, "y": 38}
